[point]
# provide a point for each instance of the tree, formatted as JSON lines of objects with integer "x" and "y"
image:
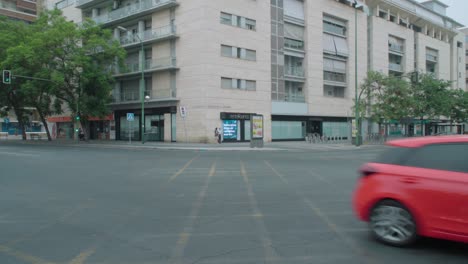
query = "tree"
{"x": 458, "y": 108}
{"x": 73, "y": 70}
{"x": 12, "y": 97}
{"x": 85, "y": 58}
{"x": 384, "y": 98}
{"x": 431, "y": 95}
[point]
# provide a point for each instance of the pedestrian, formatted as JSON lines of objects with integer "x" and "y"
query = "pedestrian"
{"x": 219, "y": 136}
{"x": 216, "y": 134}
{"x": 81, "y": 135}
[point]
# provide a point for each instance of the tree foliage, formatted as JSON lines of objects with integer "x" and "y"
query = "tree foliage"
{"x": 385, "y": 98}
{"x": 67, "y": 65}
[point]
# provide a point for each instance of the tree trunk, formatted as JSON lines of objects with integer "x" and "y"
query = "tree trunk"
{"x": 44, "y": 122}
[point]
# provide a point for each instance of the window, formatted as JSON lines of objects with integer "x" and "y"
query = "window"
{"x": 333, "y": 91}
{"x": 335, "y": 45}
{"x": 238, "y": 21}
{"x": 459, "y": 44}
{"x": 293, "y": 44}
{"x": 240, "y": 53}
{"x": 451, "y": 157}
{"x": 226, "y": 18}
{"x": 250, "y": 85}
{"x": 392, "y": 18}
{"x": 334, "y": 26}
{"x": 251, "y": 55}
{"x": 226, "y": 51}
{"x": 334, "y": 70}
{"x": 230, "y": 83}
{"x": 250, "y": 24}
{"x": 396, "y": 44}
{"x": 383, "y": 14}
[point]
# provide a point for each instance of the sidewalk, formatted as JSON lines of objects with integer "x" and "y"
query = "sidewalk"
{"x": 242, "y": 146}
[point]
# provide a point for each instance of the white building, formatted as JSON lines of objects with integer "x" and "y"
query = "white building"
{"x": 292, "y": 61}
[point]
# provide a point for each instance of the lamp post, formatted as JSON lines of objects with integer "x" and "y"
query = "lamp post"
{"x": 142, "y": 84}
{"x": 356, "y": 6}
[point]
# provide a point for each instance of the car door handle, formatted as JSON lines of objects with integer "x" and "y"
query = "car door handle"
{"x": 409, "y": 180}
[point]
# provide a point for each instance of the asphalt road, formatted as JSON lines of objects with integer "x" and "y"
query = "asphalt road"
{"x": 95, "y": 205}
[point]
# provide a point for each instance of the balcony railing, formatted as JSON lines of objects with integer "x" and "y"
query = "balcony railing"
{"x": 293, "y": 44}
{"x": 134, "y": 96}
{"x": 142, "y": 6}
{"x": 396, "y": 47}
{"x": 395, "y": 67}
{"x": 296, "y": 98}
{"x": 153, "y": 64}
{"x": 294, "y": 71}
{"x": 430, "y": 57}
{"x": 148, "y": 35}
{"x": 150, "y": 64}
{"x": 334, "y": 77}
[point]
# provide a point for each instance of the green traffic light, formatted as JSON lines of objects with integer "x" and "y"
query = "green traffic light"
{"x": 77, "y": 118}
{"x": 6, "y": 77}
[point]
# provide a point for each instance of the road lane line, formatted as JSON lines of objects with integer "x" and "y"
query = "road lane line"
{"x": 184, "y": 236}
{"x": 18, "y": 154}
{"x": 270, "y": 254}
{"x": 83, "y": 256}
{"x": 23, "y": 256}
{"x": 367, "y": 258}
{"x": 179, "y": 172}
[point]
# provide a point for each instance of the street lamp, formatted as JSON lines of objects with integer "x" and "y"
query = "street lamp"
{"x": 142, "y": 84}
{"x": 356, "y": 6}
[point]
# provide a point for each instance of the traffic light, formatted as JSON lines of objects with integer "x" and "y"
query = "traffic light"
{"x": 6, "y": 77}
{"x": 77, "y": 118}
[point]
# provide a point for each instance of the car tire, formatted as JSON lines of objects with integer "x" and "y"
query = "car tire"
{"x": 393, "y": 224}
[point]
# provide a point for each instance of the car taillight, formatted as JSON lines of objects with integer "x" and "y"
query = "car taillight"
{"x": 367, "y": 170}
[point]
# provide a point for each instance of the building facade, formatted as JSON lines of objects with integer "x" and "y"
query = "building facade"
{"x": 221, "y": 61}
{"x": 25, "y": 10}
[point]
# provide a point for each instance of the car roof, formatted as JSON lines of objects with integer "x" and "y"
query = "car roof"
{"x": 422, "y": 141}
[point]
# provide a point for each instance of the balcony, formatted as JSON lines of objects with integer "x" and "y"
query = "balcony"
{"x": 151, "y": 65}
{"x": 134, "y": 96}
{"x": 395, "y": 67}
{"x": 294, "y": 74}
{"x": 141, "y": 8}
{"x": 432, "y": 58}
{"x": 398, "y": 48}
{"x": 151, "y": 35}
{"x": 334, "y": 78}
{"x": 294, "y": 98}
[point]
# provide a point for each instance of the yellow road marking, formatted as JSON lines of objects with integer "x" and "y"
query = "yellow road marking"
{"x": 23, "y": 256}
{"x": 183, "y": 169}
{"x": 270, "y": 255}
{"x": 184, "y": 237}
{"x": 81, "y": 258}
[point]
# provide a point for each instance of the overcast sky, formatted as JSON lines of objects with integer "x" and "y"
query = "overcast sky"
{"x": 458, "y": 10}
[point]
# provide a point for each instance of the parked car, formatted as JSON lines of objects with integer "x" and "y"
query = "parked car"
{"x": 417, "y": 187}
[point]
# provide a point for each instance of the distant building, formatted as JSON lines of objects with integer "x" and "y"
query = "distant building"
{"x": 295, "y": 63}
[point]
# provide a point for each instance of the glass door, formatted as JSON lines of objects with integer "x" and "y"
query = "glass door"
{"x": 154, "y": 128}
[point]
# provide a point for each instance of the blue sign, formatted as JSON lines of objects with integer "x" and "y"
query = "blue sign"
{"x": 6, "y": 120}
{"x": 130, "y": 116}
{"x": 230, "y": 129}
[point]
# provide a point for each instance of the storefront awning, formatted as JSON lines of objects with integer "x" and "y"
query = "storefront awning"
{"x": 64, "y": 119}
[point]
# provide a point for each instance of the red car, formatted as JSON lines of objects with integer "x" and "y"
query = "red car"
{"x": 418, "y": 187}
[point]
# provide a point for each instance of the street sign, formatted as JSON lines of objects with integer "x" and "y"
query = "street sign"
{"x": 6, "y": 120}
{"x": 130, "y": 117}
{"x": 183, "y": 111}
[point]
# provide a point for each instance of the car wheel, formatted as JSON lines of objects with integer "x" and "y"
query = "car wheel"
{"x": 393, "y": 224}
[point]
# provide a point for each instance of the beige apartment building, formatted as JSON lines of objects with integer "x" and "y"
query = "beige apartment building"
{"x": 25, "y": 10}
{"x": 292, "y": 61}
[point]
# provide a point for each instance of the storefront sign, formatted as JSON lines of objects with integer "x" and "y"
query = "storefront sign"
{"x": 230, "y": 129}
{"x": 257, "y": 126}
{"x": 235, "y": 116}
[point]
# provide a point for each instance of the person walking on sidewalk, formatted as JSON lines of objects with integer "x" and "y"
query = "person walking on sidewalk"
{"x": 218, "y": 135}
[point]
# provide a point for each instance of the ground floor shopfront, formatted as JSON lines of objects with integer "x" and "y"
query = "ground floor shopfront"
{"x": 289, "y": 128}
{"x": 159, "y": 124}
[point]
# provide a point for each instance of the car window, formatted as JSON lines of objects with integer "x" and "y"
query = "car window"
{"x": 393, "y": 155}
{"x": 453, "y": 157}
